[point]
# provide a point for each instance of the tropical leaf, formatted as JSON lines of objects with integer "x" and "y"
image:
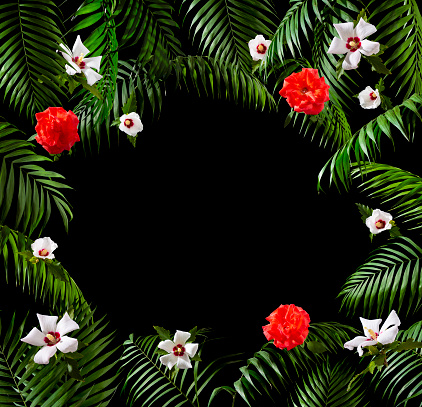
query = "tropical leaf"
{"x": 49, "y": 282}
{"x": 30, "y": 65}
{"x": 389, "y": 279}
{"x": 25, "y": 383}
{"x": 148, "y": 381}
{"x": 363, "y": 145}
{"x": 326, "y": 386}
{"x": 26, "y": 186}
{"x": 224, "y": 28}
{"x": 399, "y": 189}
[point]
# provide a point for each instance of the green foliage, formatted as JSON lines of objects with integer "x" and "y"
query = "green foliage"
{"x": 390, "y": 278}
{"x": 24, "y": 383}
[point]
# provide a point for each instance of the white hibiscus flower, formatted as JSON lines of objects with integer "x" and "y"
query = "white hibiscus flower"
{"x": 258, "y": 47}
{"x": 78, "y": 62}
{"x": 179, "y": 351}
{"x": 369, "y": 98}
{"x": 379, "y": 221}
{"x": 43, "y": 248}
{"x": 352, "y": 41}
{"x": 131, "y": 124}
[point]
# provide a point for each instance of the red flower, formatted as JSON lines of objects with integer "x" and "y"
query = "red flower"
{"x": 305, "y": 91}
{"x": 288, "y": 326}
{"x": 57, "y": 130}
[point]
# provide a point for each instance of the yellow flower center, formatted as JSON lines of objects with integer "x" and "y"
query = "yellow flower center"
{"x": 43, "y": 252}
{"x": 51, "y": 338}
{"x": 372, "y": 333}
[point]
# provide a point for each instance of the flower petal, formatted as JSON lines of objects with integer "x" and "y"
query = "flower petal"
{"x": 345, "y": 30}
{"x": 369, "y": 47}
{"x": 48, "y": 323}
{"x": 169, "y": 360}
{"x": 67, "y": 344}
{"x": 362, "y": 345}
{"x": 183, "y": 362}
{"x": 355, "y": 342}
{"x": 351, "y": 61}
{"x": 91, "y": 76}
{"x": 337, "y": 46}
{"x": 72, "y": 69}
{"x": 35, "y": 337}
{"x": 43, "y": 356}
{"x": 167, "y": 345}
{"x": 364, "y": 29}
{"x": 392, "y": 319}
{"x": 372, "y": 324}
{"x": 389, "y": 335}
{"x": 191, "y": 349}
{"x": 181, "y": 337}
{"x": 66, "y": 325}
{"x": 79, "y": 48}
{"x": 93, "y": 62}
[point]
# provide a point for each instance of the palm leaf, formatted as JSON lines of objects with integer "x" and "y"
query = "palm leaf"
{"x": 28, "y": 42}
{"x": 27, "y": 186}
{"x": 224, "y": 28}
{"x": 25, "y": 383}
{"x": 389, "y": 279}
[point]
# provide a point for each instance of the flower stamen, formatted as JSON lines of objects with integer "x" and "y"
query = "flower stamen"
{"x": 261, "y": 48}
{"x": 353, "y": 43}
{"x": 373, "y": 96}
{"x": 43, "y": 252}
{"x": 52, "y": 338}
{"x": 380, "y": 224}
{"x": 178, "y": 350}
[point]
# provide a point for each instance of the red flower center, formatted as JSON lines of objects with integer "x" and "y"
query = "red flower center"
{"x": 380, "y": 224}
{"x": 261, "y": 48}
{"x": 43, "y": 252}
{"x": 52, "y": 338}
{"x": 304, "y": 90}
{"x": 373, "y": 96}
{"x": 79, "y": 61}
{"x": 178, "y": 350}
{"x": 128, "y": 123}
{"x": 353, "y": 43}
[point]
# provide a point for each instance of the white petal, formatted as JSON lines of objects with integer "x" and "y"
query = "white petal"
{"x": 71, "y": 70}
{"x": 181, "y": 337}
{"x": 67, "y": 344}
{"x": 392, "y": 319}
{"x": 66, "y": 325}
{"x": 372, "y": 324}
{"x": 351, "y": 61}
{"x": 91, "y": 76}
{"x": 191, "y": 348}
{"x": 66, "y": 50}
{"x": 367, "y": 103}
{"x": 48, "y": 323}
{"x": 362, "y": 345}
{"x": 337, "y": 46}
{"x": 183, "y": 362}
{"x": 364, "y": 29}
{"x": 35, "y": 337}
{"x": 389, "y": 335}
{"x": 79, "y": 48}
{"x": 369, "y": 47}
{"x": 167, "y": 345}
{"x": 169, "y": 360}
{"x": 93, "y": 62}
{"x": 345, "y": 30}
{"x": 355, "y": 342}
{"x": 43, "y": 356}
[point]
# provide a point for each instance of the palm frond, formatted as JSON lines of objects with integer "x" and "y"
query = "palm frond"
{"x": 29, "y": 37}
{"x": 389, "y": 279}
{"x": 25, "y": 383}
{"x": 399, "y": 189}
{"x": 224, "y": 28}
{"x": 363, "y": 145}
{"x": 27, "y": 186}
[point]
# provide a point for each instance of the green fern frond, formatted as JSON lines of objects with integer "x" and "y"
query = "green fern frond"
{"x": 28, "y": 41}
{"x": 390, "y": 278}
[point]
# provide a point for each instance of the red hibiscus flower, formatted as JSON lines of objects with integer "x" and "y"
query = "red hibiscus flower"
{"x": 288, "y": 326}
{"x": 57, "y": 130}
{"x": 305, "y": 91}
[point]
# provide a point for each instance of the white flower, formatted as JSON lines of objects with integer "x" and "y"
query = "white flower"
{"x": 131, "y": 124}
{"x": 379, "y": 221}
{"x": 78, "y": 62}
{"x": 179, "y": 351}
{"x": 369, "y": 98}
{"x": 352, "y": 41}
{"x": 51, "y": 337}
{"x": 387, "y": 333}
{"x": 258, "y": 47}
{"x": 43, "y": 248}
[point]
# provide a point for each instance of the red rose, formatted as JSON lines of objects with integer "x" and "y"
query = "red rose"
{"x": 57, "y": 130}
{"x": 305, "y": 91}
{"x": 288, "y": 326}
